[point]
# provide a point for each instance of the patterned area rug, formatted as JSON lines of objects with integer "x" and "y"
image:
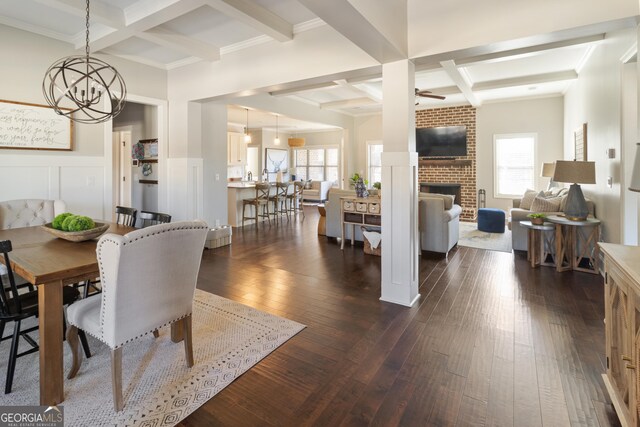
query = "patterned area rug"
{"x": 471, "y": 237}
{"x": 158, "y": 388}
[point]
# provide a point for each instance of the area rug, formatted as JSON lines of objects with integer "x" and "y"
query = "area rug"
{"x": 471, "y": 237}
{"x": 158, "y": 388}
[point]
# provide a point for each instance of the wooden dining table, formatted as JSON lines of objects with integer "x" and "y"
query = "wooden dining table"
{"x": 50, "y": 263}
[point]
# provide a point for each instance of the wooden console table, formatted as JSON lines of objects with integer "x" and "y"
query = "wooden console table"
{"x": 359, "y": 211}
{"x": 574, "y": 239}
{"x": 622, "y": 329}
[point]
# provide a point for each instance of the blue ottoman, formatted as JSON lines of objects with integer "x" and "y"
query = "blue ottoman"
{"x": 491, "y": 220}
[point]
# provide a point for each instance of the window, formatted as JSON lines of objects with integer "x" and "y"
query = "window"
{"x": 318, "y": 164}
{"x": 374, "y": 162}
{"x": 514, "y": 164}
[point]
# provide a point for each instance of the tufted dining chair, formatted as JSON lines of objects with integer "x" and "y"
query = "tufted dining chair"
{"x": 148, "y": 281}
{"x": 29, "y": 212}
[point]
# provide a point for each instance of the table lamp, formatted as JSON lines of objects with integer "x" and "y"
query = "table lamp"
{"x": 547, "y": 172}
{"x": 635, "y": 176}
{"x": 576, "y": 173}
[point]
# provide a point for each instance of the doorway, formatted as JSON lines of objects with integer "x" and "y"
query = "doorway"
{"x": 122, "y": 140}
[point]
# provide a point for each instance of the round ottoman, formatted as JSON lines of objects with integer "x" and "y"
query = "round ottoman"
{"x": 491, "y": 220}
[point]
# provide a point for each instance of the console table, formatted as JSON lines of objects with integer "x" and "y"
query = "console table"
{"x": 574, "y": 240}
{"x": 359, "y": 211}
{"x": 622, "y": 328}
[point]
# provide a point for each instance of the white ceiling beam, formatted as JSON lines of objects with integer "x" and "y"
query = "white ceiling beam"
{"x": 345, "y": 18}
{"x": 527, "y": 80}
{"x": 181, "y": 43}
{"x": 256, "y": 16}
{"x": 460, "y": 81}
{"x": 99, "y": 11}
{"x": 302, "y": 89}
{"x": 142, "y": 17}
{"x": 347, "y": 103}
{"x": 527, "y": 51}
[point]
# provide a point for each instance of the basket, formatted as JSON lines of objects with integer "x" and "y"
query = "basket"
{"x": 218, "y": 236}
{"x": 367, "y": 245}
{"x": 77, "y": 236}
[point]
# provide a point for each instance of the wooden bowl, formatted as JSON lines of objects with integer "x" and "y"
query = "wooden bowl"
{"x": 77, "y": 236}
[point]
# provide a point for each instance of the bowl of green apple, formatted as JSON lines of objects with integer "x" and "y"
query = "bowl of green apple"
{"x": 75, "y": 228}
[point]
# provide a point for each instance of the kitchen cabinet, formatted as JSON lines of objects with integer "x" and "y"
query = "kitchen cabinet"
{"x": 622, "y": 329}
{"x": 236, "y": 149}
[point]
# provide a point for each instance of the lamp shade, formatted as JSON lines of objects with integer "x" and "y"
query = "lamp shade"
{"x": 635, "y": 177}
{"x": 575, "y": 172}
{"x": 547, "y": 170}
{"x": 296, "y": 142}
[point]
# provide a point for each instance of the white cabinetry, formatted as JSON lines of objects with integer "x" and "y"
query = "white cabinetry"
{"x": 236, "y": 149}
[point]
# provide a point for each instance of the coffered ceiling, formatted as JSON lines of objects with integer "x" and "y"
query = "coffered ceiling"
{"x": 173, "y": 33}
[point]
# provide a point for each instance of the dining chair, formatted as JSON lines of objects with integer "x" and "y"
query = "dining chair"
{"x": 163, "y": 262}
{"x": 148, "y": 218}
{"x": 261, "y": 200}
{"x": 295, "y": 199}
{"x": 16, "y": 307}
{"x": 126, "y": 216}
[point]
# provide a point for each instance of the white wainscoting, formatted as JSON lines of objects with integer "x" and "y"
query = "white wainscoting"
{"x": 78, "y": 180}
{"x": 185, "y": 180}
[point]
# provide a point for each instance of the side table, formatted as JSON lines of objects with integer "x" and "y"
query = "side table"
{"x": 322, "y": 222}
{"x": 575, "y": 241}
{"x": 540, "y": 243}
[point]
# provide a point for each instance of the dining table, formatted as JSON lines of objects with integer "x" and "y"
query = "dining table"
{"x": 51, "y": 263}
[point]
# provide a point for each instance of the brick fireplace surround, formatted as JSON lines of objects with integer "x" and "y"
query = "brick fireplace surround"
{"x": 435, "y": 171}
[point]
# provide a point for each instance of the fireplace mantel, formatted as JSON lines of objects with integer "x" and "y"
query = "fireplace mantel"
{"x": 445, "y": 162}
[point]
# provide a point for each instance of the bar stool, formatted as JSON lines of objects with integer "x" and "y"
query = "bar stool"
{"x": 295, "y": 199}
{"x": 279, "y": 199}
{"x": 261, "y": 200}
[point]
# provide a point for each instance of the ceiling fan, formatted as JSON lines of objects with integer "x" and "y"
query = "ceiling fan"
{"x": 427, "y": 94}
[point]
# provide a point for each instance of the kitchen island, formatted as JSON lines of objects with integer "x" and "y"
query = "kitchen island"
{"x": 236, "y": 193}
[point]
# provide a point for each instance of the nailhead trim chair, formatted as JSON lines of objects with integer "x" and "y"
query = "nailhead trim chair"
{"x": 148, "y": 280}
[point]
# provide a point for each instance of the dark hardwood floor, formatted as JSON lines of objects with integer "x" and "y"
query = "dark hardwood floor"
{"x": 491, "y": 341}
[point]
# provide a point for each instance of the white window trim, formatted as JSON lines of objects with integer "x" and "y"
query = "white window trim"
{"x": 324, "y": 147}
{"x": 368, "y": 165}
{"x": 496, "y": 194}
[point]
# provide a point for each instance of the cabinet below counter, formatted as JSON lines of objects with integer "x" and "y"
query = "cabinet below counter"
{"x": 236, "y": 193}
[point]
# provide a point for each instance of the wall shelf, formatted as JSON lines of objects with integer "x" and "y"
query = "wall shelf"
{"x": 148, "y": 181}
{"x": 148, "y": 141}
{"x": 148, "y": 160}
{"x": 445, "y": 162}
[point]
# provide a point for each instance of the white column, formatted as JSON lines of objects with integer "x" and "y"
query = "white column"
{"x": 400, "y": 185}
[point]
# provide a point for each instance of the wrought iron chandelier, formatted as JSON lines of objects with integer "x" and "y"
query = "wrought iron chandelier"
{"x": 83, "y": 80}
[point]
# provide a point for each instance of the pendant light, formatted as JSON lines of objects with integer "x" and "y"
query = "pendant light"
{"x": 82, "y": 80}
{"x": 247, "y": 137}
{"x": 277, "y": 140}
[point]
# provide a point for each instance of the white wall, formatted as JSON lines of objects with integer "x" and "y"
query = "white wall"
{"x": 630, "y": 214}
{"x": 82, "y": 177}
{"x": 595, "y": 99}
{"x": 543, "y": 117}
{"x": 214, "y": 168}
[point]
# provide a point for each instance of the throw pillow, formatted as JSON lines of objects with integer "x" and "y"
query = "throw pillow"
{"x": 528, "y": 197}
{"x": 540, "y": 204}
{"x": 307, "y": 185}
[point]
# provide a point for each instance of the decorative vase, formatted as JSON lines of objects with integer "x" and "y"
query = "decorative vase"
{"x": 361, "y": 189}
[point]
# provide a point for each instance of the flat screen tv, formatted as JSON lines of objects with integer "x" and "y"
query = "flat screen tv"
{"x": 449, "y": 141}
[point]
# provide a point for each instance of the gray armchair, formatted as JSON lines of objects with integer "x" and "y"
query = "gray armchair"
{"x": 439, "y": 222}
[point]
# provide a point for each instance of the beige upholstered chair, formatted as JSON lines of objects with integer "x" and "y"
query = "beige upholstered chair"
{"x": 148, "y": 281}
{"x": 29, "y": 212}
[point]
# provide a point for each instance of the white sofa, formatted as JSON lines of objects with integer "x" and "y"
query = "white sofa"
{"x": 29, "y": 212}
{"x": 317, "y": 192}
{"x": 439, "y": 220}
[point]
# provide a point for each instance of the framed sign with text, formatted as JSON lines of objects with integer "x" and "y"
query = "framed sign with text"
{"x": 34, "y": 127}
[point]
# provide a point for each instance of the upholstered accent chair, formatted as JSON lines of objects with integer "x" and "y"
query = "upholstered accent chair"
{"x": 29, "y": 212}
{"x": 148, "y": 281}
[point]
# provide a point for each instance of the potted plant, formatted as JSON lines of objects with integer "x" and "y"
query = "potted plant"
{"x": 537, "y": 218}
{"x": 377, "y": 186}
{"x": 355, "y": 177}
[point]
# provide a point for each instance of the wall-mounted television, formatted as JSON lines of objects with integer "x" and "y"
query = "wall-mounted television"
{"x": 448, "y": 141}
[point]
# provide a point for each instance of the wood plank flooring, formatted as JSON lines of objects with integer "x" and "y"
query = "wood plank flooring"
{"x": 491, "y": 342}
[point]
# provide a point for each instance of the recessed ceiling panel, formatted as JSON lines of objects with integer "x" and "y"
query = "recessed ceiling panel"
{"x": 433, "y": 79}
{"x": 210, "y": 26}
{"x": 544, "y": 62}
{"x": 144, "y": 49}
{"x": 289, "y": 10}
{"x": 122, "y": 4}
{"x": 542, "y": 89}
{"x": 38, "y": 15}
